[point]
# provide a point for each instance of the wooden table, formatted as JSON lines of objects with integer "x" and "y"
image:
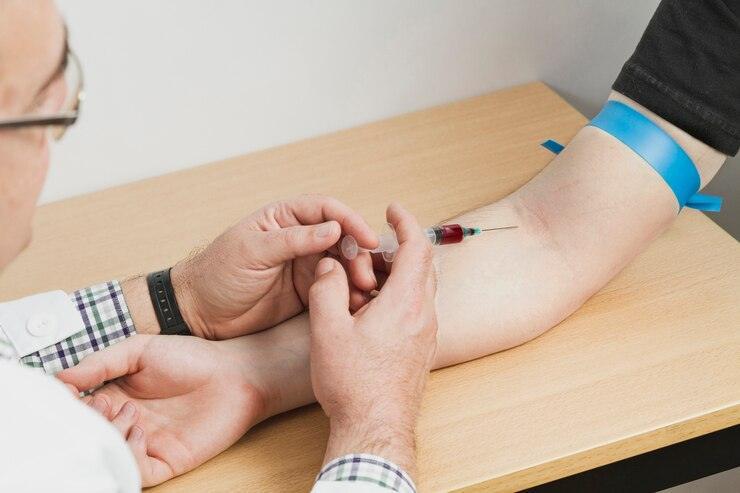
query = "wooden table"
{"x": 652, "y": 359}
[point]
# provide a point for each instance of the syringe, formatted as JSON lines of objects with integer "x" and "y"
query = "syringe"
{"x": 445, "y": 234}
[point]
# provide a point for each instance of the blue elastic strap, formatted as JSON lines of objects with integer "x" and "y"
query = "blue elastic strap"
{"x": 553, "y": 146}
{"x": 657, "y": 148}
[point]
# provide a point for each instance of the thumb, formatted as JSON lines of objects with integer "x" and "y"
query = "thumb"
{"x": 284, "y": 244}
{"x": 99, "y": 367}
{"x": 328, "y": 298}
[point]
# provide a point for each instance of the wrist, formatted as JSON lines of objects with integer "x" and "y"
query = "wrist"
{"x": 182, "y": 285}
{"x": 391, "y": 437}
{"x": 136, "y": 293}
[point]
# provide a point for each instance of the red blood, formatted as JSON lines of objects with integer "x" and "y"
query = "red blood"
{"x": 451, "y": 233}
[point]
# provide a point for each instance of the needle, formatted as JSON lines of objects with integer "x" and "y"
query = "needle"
{"x": 503, "y": 227}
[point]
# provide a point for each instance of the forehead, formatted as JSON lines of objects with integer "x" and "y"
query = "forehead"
{"x": 32, "y": 38}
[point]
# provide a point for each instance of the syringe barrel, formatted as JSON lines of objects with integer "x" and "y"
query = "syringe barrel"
{"x": 445, "y": 234}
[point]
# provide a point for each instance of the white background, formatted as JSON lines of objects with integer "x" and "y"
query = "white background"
{"x": 173, "y": 84}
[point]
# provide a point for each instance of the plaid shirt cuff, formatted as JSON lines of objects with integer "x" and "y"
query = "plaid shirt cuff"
{"x": 368, "y": 468}
{"x": 107, "y": 321}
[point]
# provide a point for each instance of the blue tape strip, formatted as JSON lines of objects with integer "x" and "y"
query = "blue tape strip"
{"x": 706, "y": 203}
{"x": 553, "y": 146}
{"x": 657, "y": 148}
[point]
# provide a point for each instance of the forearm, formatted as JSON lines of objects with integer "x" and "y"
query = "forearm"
{"x": 581, "y": 220}
{"x": 136, "y": 293}
{"x": 276, "y": 361}
{"x": 392, "y": 439}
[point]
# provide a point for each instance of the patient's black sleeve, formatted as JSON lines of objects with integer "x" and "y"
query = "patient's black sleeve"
{"x": 686, "y": 69}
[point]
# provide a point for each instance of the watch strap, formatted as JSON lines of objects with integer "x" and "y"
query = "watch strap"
{"x": 165, "y": 305}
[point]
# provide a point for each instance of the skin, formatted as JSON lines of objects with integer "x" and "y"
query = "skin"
{"x": 32, "y": 44}
{"x": 174, "y": 427}
{"x": 231, "y": 385}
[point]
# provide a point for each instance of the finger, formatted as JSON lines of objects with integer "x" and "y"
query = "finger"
{"x": 358, "y": 299}
{"x": 361, "y": 272}
{"x": 328, "y": 298}
{"x": 281, "y": 245}
{"x": 101, "y": 404}
{"x": 413, "y": 259}
{"x": 73, "y": 390}
{"x": 112, "y": 362}
{"x": 153, "y": 471}
{"x": 404, "y": 224}
{"x": 137, "y": 443}
{"x": 125, "y": 418}
{"x": 313, "y": 209}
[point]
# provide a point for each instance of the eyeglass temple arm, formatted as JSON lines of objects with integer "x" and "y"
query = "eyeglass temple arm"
{"x": 63, "y": 119}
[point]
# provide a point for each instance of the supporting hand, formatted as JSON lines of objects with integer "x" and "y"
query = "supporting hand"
{"x": 368, "y": 370}
{"x": 177, "y": 400}
{"x": 258, "y": 272}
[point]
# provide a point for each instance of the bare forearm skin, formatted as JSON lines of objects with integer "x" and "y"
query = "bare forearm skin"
{"x": 581, "y": 220}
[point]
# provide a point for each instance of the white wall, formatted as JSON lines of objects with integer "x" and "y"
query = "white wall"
{"x": 176, "y": 83}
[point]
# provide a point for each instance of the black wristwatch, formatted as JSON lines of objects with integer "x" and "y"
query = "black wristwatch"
{"x": 165, "y": 304}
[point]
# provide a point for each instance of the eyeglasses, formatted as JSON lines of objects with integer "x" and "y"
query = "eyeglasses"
{"x": 70, "y": 81}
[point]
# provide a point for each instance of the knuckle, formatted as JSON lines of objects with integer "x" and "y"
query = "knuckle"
{"x": 272, "y": 208}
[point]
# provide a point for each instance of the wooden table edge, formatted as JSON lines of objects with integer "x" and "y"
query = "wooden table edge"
{"x": 611, "y": 452}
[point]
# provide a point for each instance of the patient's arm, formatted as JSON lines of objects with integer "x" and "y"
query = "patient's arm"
{"x": 581, "y": 220}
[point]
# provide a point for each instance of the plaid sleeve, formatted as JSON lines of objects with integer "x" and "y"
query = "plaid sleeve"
{"x": 370, "y": 469}
{"x": 107, "y": 321}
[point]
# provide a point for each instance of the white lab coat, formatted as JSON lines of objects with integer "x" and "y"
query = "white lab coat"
{"x": 50, "y": 441}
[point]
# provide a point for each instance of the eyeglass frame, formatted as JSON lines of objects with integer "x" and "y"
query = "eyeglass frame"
{"x": 65, "y": 119}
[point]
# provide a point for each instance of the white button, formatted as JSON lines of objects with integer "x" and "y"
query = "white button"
{"x": 42, "y": 325}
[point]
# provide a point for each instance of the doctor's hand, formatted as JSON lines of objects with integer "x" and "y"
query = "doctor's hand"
{"x": 368, "y": 370}
{"x": 257, "y": 274}
{"x": 178, "y": 401}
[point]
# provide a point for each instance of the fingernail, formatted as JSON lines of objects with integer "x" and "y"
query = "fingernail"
{"x": 128, "y": 410}
{"x": 325, "y": 265}
{"x": 325, "y": 230}
{"x": 136, "y": 433}
{"x": 99, "y": 405}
